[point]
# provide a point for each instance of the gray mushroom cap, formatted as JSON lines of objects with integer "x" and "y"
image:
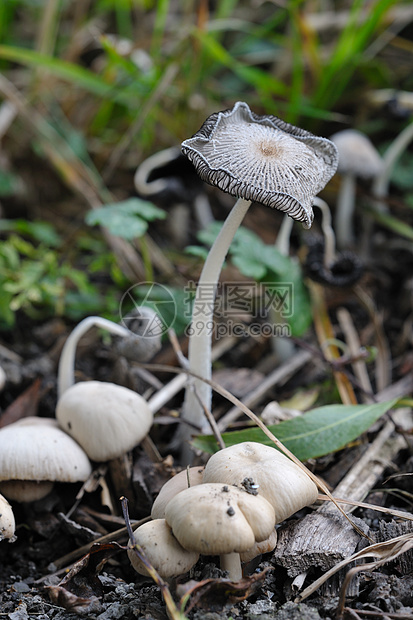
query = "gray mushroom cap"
{"x": 358, "y": 155}
{"x": 263, "y": 159}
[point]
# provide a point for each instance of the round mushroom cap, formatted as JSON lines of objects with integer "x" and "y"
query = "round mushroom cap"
{"x": 162, "y": 550}
{"x": 263, "y": 159}
{"x": 7, "y": 522}
{"x": 185, "y": 479}
{"x": 357, "y": 155}
{"x": 279, "y": 480}
{"x": 214, "y": 519}
{"x": 35, "y": 451}
{"x": 107, "y": 420}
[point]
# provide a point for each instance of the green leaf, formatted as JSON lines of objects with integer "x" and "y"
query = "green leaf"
{"x": 314, "y": 434}
{"x": 128, "y": 219}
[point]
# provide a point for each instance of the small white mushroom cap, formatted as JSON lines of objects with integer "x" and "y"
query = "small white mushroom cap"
{"x": 106, "y": 419}
{"x": 185, "y": 479}
{"x": 357, "y": 154}
{"x": 279, "y": 480}
{"x": 7, "y": 522}
{"x": 162, "y": 549}
{"x": 34, "y": 454}
{"x": 217, "y": 519}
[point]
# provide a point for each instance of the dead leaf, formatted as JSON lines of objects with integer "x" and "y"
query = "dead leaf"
{"x": 215, "y": 594}
{"x": 23, "y": 406}
{"x": 80, "y": 590}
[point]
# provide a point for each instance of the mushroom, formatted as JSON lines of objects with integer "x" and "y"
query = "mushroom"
{"x": 322, "y": 263}
{"x": 357, "y": 158}
{"x": 162, "y": 549}
{"x": 7, "y": 522}
{"x": 106, "y": 419}
{"x": 283, "y": 483}
{"x": 216, "y": 519}
{"x": 266, "y": 546}
{"x": 145, "y": 335}
{"x": 169, "y": 178}
{"x": 255, "y": 158}
{"x": 185, "y": 479}
{"x": 34, "y": 454}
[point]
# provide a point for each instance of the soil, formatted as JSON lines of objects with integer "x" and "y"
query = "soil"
{"x": 50, "y": 571}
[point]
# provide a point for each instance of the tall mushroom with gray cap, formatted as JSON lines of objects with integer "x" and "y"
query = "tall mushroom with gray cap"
{"x": 217, "y": 519}
{"x": 274, "y": 476}
{"x": 254, "y": 158}
{"x": 34, "y": 454}
{"x": 357, "y": 158}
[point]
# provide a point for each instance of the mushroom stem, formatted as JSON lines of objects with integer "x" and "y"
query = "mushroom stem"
{"x": 328, "y": 232}
{"x": 199, "y": 352}
{"x": 283, "y": 238}
{"x": 381, "y": 181}
{"x": 345, "y": 209}
{"x": 66, "y": 371}
{"x": 231, "y": 562}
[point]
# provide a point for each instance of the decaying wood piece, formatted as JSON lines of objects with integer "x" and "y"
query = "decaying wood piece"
{"x": 325, "y": 537}
{"x": 316, "y": 540}
{"x": 391, "y": 530}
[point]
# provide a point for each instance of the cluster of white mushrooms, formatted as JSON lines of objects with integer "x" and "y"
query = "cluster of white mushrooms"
{"x": 95, "y": 421}
{"x": 229, "y": 508}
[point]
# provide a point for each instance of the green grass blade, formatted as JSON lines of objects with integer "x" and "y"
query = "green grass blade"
{"x": 392, "y": 223}
{"x": 75, "y": 74}
{"x": 253, "y": 76}
{"x": 314, "y": 434}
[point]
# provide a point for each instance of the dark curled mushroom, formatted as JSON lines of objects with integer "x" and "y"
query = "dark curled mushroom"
{"x": 345, "y": 270}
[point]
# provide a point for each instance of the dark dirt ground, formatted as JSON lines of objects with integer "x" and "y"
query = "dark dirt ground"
{"x": 108, "y": 588}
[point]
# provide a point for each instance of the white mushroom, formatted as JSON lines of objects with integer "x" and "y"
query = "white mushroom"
{"x": 217, "y": 519}
{"x": 357, "y": 158}
{"x": 34, "y": 454}
{"x": 107, "y": 420}
{"x": 162, "y": 549}
{"x": 7, "y": 522}
{"x": 255, "y": 158}
{"x": 185, "y": 479}
{"x": 273, "y": 475}
{"x": 259, "y": 548}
